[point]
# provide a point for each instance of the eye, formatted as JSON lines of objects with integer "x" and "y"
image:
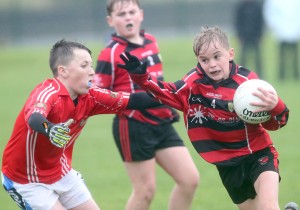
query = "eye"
{"x": 132, "y": 12}
{"x": 204, "y": 60}
{"x": 85, "y": 65}
{"x": 121, "y": 14}
{"x": 217, "y": 56}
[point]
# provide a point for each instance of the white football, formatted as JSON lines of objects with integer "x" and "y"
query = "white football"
{"x": 243, "y": 97}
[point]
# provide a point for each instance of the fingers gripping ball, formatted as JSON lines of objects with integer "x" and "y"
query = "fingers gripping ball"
{"x": 243, "y": 97}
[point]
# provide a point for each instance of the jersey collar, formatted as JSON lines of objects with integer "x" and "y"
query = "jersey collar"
{"x": 233, "y": 70}
{"x": 62, "y": 89}
{"x": 122, "y": 40}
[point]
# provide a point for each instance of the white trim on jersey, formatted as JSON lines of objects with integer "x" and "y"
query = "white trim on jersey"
{"x": 30, "y": 162}
{"x": 195, "y": 72}
{"x": 112, "y": 61}
{"x": 246, "y": 78}
{"x": 65, "y": 168}
{"x": 44, "y": 92}
{"x": 73, "y": 138}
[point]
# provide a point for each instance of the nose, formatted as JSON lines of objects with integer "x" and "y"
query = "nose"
{"x": 128, "y": 16}
{"x": 212, "y": 63}
{"x": 92, "y": 72}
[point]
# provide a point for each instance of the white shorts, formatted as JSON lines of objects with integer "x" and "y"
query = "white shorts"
{"x": 71, "y": 191}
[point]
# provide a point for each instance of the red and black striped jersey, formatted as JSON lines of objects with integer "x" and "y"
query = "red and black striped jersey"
{"x": 109, "y": 75}
{"x": 215, "y": 130}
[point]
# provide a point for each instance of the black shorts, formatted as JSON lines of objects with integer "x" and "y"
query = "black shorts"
{"x": 239, "y": 179}
{"x": 138, "y": 141}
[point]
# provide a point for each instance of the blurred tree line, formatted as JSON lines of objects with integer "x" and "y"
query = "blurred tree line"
{"x": 44, "y": 21}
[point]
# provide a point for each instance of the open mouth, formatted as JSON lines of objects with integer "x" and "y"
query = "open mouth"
{"x": 215, "y": 72}
{"x": 129, "y": 25}
{"x": 90, "y": 83}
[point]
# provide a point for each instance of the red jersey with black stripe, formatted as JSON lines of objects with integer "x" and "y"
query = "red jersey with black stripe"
{"x": 30, "y": 156}
{"x": 109, "y": 75}
{"x": 215, "y": 130}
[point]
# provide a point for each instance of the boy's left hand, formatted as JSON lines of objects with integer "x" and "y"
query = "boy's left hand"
{"x": 269, "y": 100}
{"x": 132, "y": 64}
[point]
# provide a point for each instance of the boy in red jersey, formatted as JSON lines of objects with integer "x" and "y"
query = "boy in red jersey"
{"x": 144, "y": 137}
{"x": 36, "y": 167}
{"x": 243, "y": 153}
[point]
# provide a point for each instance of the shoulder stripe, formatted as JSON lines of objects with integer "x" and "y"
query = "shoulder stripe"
{"x": 42, "y": 92}
{"x": 45, "y": 94}
{"x": 243, "y": 76}
{"x": 49, "y": 92}
{"x": 191, "y": 73}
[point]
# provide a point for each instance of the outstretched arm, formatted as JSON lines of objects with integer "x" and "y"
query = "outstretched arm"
{"x": 172, "y": 94}
{"x": 141, "y": 100}
{"x": 58, "y": 134}
{"x": 132, "y": 64}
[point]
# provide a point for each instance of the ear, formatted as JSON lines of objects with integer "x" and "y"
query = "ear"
{"x": 231, "y": 54}
{"x": 109, "y": 21}
{"x": 62, "y": 71}
{"x": 142, "y": 15}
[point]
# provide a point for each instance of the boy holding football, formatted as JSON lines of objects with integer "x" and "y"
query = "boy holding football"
{"x": 144, "y": 138}
{"x": 243, "y": 153}
{"x": 37, "y": 161}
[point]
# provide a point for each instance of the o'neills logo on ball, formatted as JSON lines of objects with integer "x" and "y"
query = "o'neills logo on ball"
{"x": 249, "y": 113}
{"x": 254, "y": 116}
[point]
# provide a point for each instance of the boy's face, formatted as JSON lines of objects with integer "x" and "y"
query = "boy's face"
{"x": 126, "y": 19}
{"x": 214, "y": 59}
{"x": 78, "y": 73}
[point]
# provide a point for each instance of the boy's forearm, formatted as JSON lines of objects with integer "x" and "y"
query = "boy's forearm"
{"x": 142, "y": 100}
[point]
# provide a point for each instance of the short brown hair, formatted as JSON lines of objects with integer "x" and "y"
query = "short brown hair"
{"x": 110, "y": 4}
{"x": 62, "y": 53}
{"x": 210, "y": 35}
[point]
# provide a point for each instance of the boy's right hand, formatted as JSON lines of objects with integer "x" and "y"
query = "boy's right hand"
{"x": 132, "y": 64}
{"x": 59, "y": 133}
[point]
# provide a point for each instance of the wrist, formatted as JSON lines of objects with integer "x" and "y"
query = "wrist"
{"x": 47, "y": 127}
{"x": 140, "y": 78}
{"x": 278, "y": 109}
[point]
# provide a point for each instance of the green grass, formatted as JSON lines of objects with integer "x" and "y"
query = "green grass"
{"x": 95, "y": 154}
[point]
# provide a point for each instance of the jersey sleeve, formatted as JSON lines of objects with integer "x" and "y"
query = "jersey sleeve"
{"x": 172, "y": 94}
{"x": 39, "y": 100}
{"x": 104, "y": 69}
{"x": 279, "y": 117}
{"x": 106, "y": 101}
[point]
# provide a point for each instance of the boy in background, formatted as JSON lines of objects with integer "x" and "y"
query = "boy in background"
{"x": 144, "y": 137}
